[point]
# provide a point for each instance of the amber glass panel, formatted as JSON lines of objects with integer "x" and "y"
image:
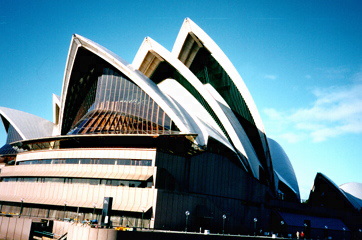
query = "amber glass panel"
{"x": 116, "y": 105}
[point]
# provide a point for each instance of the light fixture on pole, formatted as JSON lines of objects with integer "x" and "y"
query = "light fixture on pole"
{"x": 21, "y": 206}
{"x": 187, "y": 213}
{"x": 143, "y": 213}
{"x": 94, "y": 209}
{"x": 255, "y": 221}
{"x": 223, "y": 223}
{"x": 65, "y": 206}
{"x": 281, "y": 228}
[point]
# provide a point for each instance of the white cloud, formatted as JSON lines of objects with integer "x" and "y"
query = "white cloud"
{"x": 292, "y": 137}
{"x": 336, "y": 111}
{"x": 270, "y": 76}
{"x": 308, "y": 126}
{"x": 273, "y": 114}
{"x": 335, "y": 72}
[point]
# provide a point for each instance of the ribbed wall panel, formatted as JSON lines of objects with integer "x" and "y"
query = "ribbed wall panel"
{"x": 125, "y": 172}
{"x": 128, "y": 153}
{"x": 124, "y": 198}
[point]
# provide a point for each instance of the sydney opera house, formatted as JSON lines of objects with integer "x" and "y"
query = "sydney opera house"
{"x": 174, "y": 132}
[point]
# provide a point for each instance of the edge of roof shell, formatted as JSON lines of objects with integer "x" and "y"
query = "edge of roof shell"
{"x": 338, "y": 189}
{"x": 150, "y": 45}
{"x": 143, "y": 82}
{"x": 26, "y": 124}
{"x": 189, "y": 26}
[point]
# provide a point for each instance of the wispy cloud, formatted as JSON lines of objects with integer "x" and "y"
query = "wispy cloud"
{"x": 335, "y": 73}
{"x": 270, "y": 76}
{"x": 335, "y": 111}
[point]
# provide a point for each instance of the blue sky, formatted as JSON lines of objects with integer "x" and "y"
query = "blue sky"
{"x": 301, "y": 60}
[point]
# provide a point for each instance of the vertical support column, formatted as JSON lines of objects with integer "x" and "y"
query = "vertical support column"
{"x": 107, "y": 212}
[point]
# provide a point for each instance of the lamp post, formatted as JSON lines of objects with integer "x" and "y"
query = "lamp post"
{"x": 187, "y": 213}
{"x": 65, "y": 206}
{"x": 344, "y": 233}
{"x": 255, "y": 221}
{"x": 326, "y": 231}
{"x": 223, "y": 223}
{"x": 21, "y": 206}
{"x": 143, "y": 213}
{"x": 94, "y": 210}
{"x": 281, "y": 228}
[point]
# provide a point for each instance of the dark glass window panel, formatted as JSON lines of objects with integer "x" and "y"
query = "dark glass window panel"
{"x": 71, "y": 161}
{"x": 127, "y": 162}
{"x": 24, "y": 162}
{"x": 58, "y": 161}
{"x": 115, "y": 182}
{"x": 91, "y": 181}
{"x": 85, "y": 161}
{"x": 94, "y": 181}
{"x": 123, "y": 183}
{"x": 133, "y": 162}
{"x": 107, "y": 161}
{"x": 80, "y": 180}
{"x": 134, "y": 183}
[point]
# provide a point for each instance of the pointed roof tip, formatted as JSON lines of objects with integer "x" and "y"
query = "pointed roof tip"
{"x": 80, "y": 37}
{"x": 76, "y": 39}
{"x": 56, "y": 97}
{"x": 189, "y": 20}
{"x": 188, "y": 24}
{"x": 147, "y": 40}
{"x": 150, "y": 39}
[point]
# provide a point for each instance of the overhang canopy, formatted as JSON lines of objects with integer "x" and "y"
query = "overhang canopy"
{"x": 298, "y": 220}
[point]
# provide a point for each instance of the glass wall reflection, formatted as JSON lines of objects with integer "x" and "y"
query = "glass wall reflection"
{"x": 115, "y": 105}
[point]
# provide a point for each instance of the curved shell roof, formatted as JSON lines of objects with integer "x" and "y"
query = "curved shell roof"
{"x": 351, "y": 195}
{"x": 206, "y": 125}
{"x": 26, "y": 125}
{"x": 353, "y": 188}
{"x": 191, "y": 46}
{"x": 209, "y": 112}
{"x": 190, "y": 27}
{"x": 139, "y": 79}
{"x": 218, "y": 106}
{"x": 353, "y": 191}
{"x": 283, "y": 167}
